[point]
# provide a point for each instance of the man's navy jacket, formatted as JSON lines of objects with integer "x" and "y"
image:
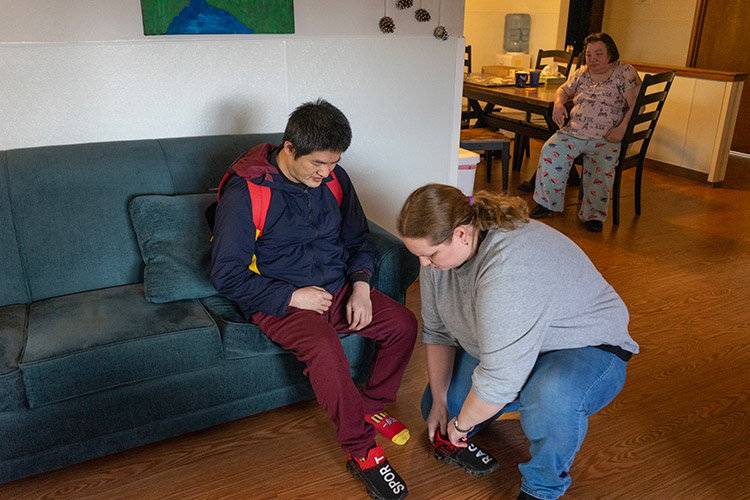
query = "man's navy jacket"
{"x": 308, "y": 240}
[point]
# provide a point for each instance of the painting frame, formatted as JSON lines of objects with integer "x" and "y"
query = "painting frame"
{"x": 217, "y": 17}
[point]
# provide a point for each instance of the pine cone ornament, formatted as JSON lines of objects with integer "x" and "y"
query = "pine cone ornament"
{"x": 404, "y": 4}
{"x": 440, "y": 33}
{"x": 387, "y": 25}
{"x": 422, "y": 15}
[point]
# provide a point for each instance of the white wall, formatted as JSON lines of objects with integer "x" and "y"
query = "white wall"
{"x": 485, "y": 23}
{"x": 656, "y": 32}
{"x": 82, "y": 71}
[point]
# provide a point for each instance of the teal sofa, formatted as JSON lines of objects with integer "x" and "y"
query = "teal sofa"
{"x": 111, "y": 335}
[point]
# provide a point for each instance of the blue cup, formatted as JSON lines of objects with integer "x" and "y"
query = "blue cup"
{"x": 534, "y": 78}
{"x": 521, "y": 78}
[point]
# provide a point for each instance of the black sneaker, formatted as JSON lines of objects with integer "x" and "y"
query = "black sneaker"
{"x": 595, "y": 226}
{"x": 540, "y": 212}
{"x": 472, "y": 459}
{"x": 381, "y": 481}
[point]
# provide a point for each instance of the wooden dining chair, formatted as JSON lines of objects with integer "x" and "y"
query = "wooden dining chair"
{"x": 561, "y": 57}
{"x": 646, "y": 111}
{"x": 466, "y": 113}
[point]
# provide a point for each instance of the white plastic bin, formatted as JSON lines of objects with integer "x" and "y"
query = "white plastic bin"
{"x": 467, "y": 170}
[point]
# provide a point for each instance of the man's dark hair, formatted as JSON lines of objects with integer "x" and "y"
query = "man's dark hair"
{"x": 317, "y": 126}
{"x": 608, "y": 42}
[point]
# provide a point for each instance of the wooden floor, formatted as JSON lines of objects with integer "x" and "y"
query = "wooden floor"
{"x": 679, "y": 429}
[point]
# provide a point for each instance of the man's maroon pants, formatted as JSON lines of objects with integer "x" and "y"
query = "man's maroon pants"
{"x": 313, "y": 339}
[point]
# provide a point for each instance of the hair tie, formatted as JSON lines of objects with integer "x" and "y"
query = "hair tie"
{"x": 471, "y": 201}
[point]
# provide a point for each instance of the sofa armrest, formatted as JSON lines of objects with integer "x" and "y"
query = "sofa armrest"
{"x": 395, "y": 267}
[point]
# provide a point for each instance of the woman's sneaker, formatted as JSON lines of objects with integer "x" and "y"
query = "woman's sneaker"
{"x": 381, "y": 481}
{"x": 472, "y": 459}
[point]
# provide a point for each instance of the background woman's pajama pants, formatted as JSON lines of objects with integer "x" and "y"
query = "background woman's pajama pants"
{"x": 597, "y": 178}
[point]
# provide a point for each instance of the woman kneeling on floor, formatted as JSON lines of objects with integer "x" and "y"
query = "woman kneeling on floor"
{"x": 516, "y": 318}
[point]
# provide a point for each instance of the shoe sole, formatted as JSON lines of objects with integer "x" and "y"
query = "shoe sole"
{"x": 545, "y": 215}
{"x": 468, "y": 470}
{"x": 355, "y": 473}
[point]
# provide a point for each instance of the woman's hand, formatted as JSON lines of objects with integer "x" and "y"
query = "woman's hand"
{"x": 437, "y": 420}
{"x": 615, "y": 134}
{"x": 457, "y": 437}
{"x": 559, "y": 114}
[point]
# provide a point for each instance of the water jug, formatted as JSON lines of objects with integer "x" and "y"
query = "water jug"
{"x": 517, "y": 29}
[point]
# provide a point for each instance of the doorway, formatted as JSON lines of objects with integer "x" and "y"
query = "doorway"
{"x": 721, "y": 36}
{"x": 584, "y": 18}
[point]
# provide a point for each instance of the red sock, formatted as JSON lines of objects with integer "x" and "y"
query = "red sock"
{"x": 389, "y": 427}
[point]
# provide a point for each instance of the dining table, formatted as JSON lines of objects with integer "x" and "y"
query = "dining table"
{"x": 530, "y": 101}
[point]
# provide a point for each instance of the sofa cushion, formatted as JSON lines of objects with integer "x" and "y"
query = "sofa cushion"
{"x": 70, "y": 212}
{"x": 240, "y": 338}
{"x": 13, "y": 289}
{"x": 12, "y": 334}
{"x": 12, "y": 323}
{"x": 96, "y": 340}
{"x": 173, "y": 237}
{"x": 209, "y": 155}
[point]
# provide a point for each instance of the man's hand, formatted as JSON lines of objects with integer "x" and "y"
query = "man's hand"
{"x": 359, "y": 306}
{"x": 311, "y": 298}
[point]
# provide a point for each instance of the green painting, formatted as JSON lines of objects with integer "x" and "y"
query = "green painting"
{"x": 194, "y": 17}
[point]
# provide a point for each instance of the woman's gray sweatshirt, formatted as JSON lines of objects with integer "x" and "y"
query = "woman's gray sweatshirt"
{"x": 525, "y": 292}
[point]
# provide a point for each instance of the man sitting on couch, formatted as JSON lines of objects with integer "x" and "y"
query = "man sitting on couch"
{"x": 291, "y": 249}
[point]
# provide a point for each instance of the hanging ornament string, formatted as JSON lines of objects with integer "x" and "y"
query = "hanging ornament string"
{"x": 386, "y": 23}
{"x": 422, "y": 15}
{"x": 440, "y": 32}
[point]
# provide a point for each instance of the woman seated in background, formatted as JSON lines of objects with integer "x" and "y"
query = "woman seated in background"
{"x": 516, "y": 318}
{"x": 603, "y": 93}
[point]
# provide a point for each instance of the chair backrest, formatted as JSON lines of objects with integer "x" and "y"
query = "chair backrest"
{"x": 580, "y": 60}
{"x": 562, "y": 58}
{"x": 467, "y": 59}
{"x": 646, "y": 111}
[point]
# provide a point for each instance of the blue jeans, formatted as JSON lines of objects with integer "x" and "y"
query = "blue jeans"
{"x": 563, "y": 390}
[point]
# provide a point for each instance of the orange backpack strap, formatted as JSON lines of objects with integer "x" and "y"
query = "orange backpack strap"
{"x": 335, "y": 188}
{"x": 218, "y": 191}
{"x": 260, "y": 199}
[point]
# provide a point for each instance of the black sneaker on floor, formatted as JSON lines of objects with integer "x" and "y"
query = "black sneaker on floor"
{"x": 472, "y": 459}
{"x": 540, "y": 212}
{"x": 381, "y": 481}
{"x": 595, "y": 226}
